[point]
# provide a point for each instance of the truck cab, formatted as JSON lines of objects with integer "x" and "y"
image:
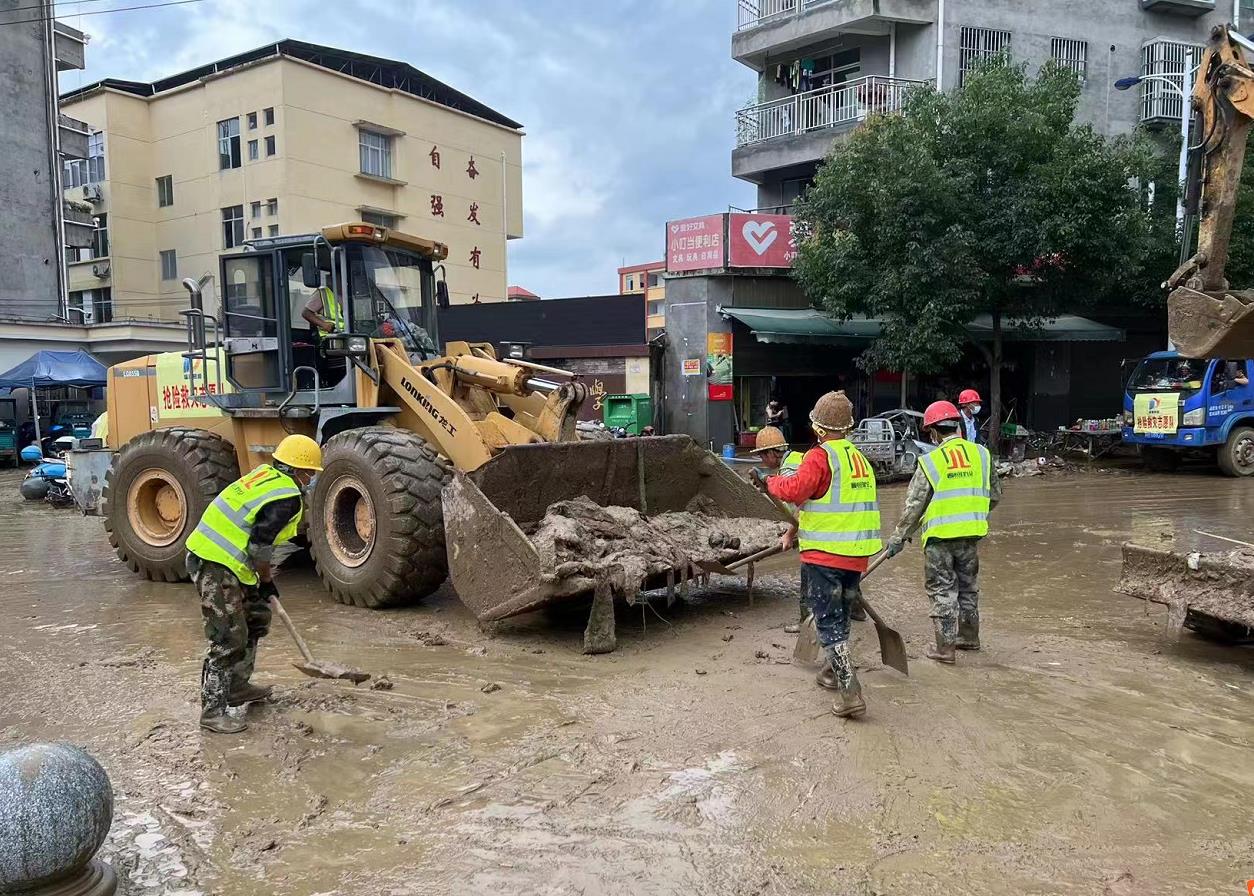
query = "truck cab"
{"x": 1173, "y": 404}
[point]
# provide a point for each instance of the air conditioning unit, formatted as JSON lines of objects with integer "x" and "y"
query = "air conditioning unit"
{"x": 93, "y": 193}
{"x": 100, "y": 270}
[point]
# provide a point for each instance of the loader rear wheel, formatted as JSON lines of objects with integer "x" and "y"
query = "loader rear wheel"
{"x": 155, "y": 492}
{"x": 1236, "y": 456}
{"x": 376, "y": 524}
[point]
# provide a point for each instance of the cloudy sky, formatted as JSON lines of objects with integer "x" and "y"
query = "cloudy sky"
{"x": 628, "y": 104}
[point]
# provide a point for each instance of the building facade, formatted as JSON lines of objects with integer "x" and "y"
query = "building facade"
{"x": 285, "y": 140}
{"x": 34, "y": 140}
{"x": 824, "y": 65}
{"x": 647, "y": 280}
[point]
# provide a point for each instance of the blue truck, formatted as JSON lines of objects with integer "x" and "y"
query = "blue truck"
{"x": 1173, "y": 406}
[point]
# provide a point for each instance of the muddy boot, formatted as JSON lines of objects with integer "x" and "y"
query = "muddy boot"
{"x": 214, "y": 685}
{"x": 792, "y": 628}
{"x": 247, "y": 692}
{"x": 946, "y": 635}
{"x": 219, "y": 722}
{"x": 850, "y": 705}
{"x": 857, "y": 613}
{"x": 968, "y": 631}
{"x": 827, "y": 678}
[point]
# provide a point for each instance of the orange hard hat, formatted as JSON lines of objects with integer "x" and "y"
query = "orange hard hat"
{"x": 939, "y": 412}
{"x": 969, "y": 396}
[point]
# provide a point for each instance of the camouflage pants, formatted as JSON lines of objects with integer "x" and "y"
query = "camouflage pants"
{"x": 236, "y": 618}
{"x": 951, "y": 577}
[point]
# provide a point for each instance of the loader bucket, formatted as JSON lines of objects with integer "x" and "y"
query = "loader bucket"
{"x": 1211, "y": 325}
{"x": 496, "y": 568}
{"x": 1196, "y": 587}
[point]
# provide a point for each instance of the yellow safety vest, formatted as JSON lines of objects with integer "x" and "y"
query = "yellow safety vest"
{"x": 846, "y": 520}
{"x": 331, "y": 310}
{"x": 792, "y": 463}
{"x": 222, "y": 535}
{"x": 959, "y": 472}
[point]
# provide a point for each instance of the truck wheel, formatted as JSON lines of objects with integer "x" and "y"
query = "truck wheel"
{"x": 1160, "y": 460}
{"x": 155, "y": 492}
{"x": 1236, "y": 456}
{"x": 376, "y": 523}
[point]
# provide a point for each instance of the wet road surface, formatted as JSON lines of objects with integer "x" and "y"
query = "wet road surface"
{"x": 1082, "y": 751}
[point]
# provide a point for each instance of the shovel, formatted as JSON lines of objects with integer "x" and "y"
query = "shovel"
{"x": 311, "y": 667}
{"x": 730, "y": 569}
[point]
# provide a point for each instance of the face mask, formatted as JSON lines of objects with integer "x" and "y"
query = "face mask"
{"x": 975, "y": 409}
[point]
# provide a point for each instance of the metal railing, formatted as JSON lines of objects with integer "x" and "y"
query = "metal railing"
{"x": 1164, "y": 58}
{"x": 827, "y": 107}
{"x": 751, "y": 13}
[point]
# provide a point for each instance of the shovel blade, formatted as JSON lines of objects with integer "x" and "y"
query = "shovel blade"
{"x": 807, "y": 652}
{"x": 892, "y": 649}
{"x": 333, "y": 670}
{"x": 713, "y": 566}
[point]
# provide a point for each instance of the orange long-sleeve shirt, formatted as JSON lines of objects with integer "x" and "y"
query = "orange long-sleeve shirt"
{"x": 812, "y": 480}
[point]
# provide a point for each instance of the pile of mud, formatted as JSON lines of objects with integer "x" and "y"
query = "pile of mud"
{"x": 1218, "y": 585}
{"x": 582, "y": 538}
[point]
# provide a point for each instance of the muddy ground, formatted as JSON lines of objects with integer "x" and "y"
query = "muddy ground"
{"x": 1080, "y": 752}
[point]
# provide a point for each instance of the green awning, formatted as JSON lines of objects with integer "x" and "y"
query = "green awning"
{"x": 806, "y": 325}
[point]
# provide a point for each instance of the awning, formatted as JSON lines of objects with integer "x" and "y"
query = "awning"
{"x": 48, "y": 368}
{"x": 806, "y": 325}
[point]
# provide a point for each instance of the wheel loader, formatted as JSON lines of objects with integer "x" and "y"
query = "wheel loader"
{"x": 434, "y": 462}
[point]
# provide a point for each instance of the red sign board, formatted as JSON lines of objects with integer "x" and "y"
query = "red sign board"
{"x": 695, "y": 244}
{"x": 760, "y": 241}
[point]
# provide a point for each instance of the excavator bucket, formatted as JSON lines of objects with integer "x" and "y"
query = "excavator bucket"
{"x": 545, "y": 523}
{"x": 1209, "y": 593}
{"x": 1211, "y": 325}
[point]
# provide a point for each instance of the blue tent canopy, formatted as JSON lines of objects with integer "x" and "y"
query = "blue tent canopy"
{"x": 45, "y": 368}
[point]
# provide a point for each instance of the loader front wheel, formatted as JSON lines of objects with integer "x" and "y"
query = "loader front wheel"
{"x": 376, "y": 524}
{"x": 155, "y": 492}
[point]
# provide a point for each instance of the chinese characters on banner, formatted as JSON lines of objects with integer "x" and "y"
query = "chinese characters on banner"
{"x": 760, "y": 241}
{"x": 695, "y": 244}
{"x": 1156, "y": 412}
{"x": 180, "y": 383}
{"x": 718, "y": 366}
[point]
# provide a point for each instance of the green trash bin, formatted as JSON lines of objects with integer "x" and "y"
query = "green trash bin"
{"x": 632, "y": 412}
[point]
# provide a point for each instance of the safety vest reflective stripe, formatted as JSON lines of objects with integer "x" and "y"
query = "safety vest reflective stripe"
{"x": 791, "y": 464}
{"x": 958, "y": 508}
{"x": 224, "y": 530}
{"x": 846, "y": 519}
{"x": 241, "y": 516}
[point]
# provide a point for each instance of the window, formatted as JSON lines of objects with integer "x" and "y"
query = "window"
{"x": 274, "y": 230}
{"x": 169, "y": 265}
{"x": 90, "y": 170}
{"x": 256, "y": 233}
{"x": 228, "y": 144}
{"x": 379, "y": 219}
{"x": 252, "y": 121}
{"x": 376, "y": 153}
{"x": 100, "y": 238}
{"x": 658, "y": 306}
{"x": 978, "y": 46}
{"x": 254, "y": 209}
{"x": 269, "y": 116}
{"x": 165, "y": 191}
{"x": 272, "y": 206}
{"x": 655, "y": 279}
{"x": 1070, "y": 54}
{"x": 271, "y": 148}
{"x": 631, "y": 282}
{"x": 232, "y": 226}
{"x": 252, "y": 150}
{"x": 91, "y": 306}
{"x": 1167, "y": 59}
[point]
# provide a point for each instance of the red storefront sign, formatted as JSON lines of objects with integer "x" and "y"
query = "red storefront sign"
{"x": 760, "y": 241}
{"x": 695, "y": 244}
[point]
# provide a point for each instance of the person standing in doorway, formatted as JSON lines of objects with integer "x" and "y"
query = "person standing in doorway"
{"x": 969, "y": 408}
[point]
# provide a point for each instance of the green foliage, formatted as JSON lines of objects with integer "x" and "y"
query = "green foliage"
{"x": 983, "y": 200}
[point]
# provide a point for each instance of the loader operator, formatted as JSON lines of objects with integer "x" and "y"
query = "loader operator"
{"x": 951, "y": 493}
{"x": 323, "y": 312}
{"x": 228, "y": 557}
{"x": 839, "y": 530}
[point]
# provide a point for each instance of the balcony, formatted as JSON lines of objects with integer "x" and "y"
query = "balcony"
{"x": 74, "y": 135}
{"x": 69, "y": 47}
{"x": 775, "y": 27}
{"x": 1193, "y": 8}
{"x": 1160, "y": 104}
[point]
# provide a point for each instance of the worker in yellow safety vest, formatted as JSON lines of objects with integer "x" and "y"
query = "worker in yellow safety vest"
{"x": 839, "y": 529}
{"x": 951, "y": 493}
{"x": 324, "y": 313}
{"x": 229, "y": 559}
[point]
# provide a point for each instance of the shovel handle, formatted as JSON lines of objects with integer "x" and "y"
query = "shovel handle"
{"x": 291, "y": 629}
{"x": 760, "y": 555}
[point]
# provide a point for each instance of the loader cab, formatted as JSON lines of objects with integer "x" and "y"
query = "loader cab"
{"x": 384, "y": 283}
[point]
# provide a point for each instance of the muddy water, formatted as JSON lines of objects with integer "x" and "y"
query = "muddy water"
{"x": 1081, "y": 752}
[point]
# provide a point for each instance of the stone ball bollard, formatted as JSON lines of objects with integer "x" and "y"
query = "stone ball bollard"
{"x": 56, "y": 805}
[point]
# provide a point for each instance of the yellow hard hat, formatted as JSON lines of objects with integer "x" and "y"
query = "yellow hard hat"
{"x": 300, "y": 452}
{"x": 769, "y": 438}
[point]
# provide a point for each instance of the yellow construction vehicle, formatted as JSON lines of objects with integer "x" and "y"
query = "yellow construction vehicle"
{"x": 421, "y": 448}
{"x": 1205, "y": 318}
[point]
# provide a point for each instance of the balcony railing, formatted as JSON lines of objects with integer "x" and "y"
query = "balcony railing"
{"x": 827, "y": 107}
{"x": 1166, "y": 59}
{"x": 751, "y": 13}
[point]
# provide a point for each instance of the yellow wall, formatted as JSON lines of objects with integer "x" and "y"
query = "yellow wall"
{"x": 314, "y": 175}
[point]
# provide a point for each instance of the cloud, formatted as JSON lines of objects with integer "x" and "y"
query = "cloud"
{"x": 628, "y": 104}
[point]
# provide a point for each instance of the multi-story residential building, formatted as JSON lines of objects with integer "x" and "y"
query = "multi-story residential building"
{"x": 34, "y": 139}
{"x": 824, "y": 65}
{"x": 647, "y": 280}
{"x": 284, "y": 140}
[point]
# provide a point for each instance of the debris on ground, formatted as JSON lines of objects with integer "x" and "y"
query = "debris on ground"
{"x": 1203, "y": 591}
{"x": 491, "y": 687}
{"x": 382, "y": 683}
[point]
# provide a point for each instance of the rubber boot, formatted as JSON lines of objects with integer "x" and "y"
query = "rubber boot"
{"x": 247, "y": 692}
{"x": 946, "y": 636}
{"x": 850, "y": 705}
{"x": 219, "y": 722}
{"x": 968, "y": 631}
{"x": 794, "y": 628}
{"x": 827, "y": 678}
{"x": 857, "y": 613}
{"x": 214, "y": 685}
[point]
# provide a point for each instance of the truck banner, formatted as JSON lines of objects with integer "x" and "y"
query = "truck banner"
{"x": 1156, "y": 412}
{"x": 180, "y": 382}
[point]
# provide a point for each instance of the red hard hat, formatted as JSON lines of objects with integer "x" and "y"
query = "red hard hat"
{"x": 969, "y": 396}
{"x": 939, "y": 412}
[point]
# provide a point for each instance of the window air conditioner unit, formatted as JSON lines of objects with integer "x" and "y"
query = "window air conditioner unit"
{"x": 100, "y": 270}
{"x": 92, "y": 192}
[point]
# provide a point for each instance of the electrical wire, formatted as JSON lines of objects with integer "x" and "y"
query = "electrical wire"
{"x": 101, "y": 12}
{"x": 43, "y": 6}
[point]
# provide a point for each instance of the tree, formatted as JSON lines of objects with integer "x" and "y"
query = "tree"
{"x": 984, "y": 200}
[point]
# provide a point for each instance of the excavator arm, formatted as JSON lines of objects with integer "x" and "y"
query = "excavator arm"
{"x": 1204, "y": 317}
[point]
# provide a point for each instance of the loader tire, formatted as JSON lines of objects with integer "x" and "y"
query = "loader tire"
{"x": 1236, "y": 456}
{"x": 376, "y": 525}
{"x": 155, "y": 492}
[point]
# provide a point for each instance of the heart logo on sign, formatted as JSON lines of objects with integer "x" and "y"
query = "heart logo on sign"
{"x": 674, "y": 228}
{"x": 759, "y": 235}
